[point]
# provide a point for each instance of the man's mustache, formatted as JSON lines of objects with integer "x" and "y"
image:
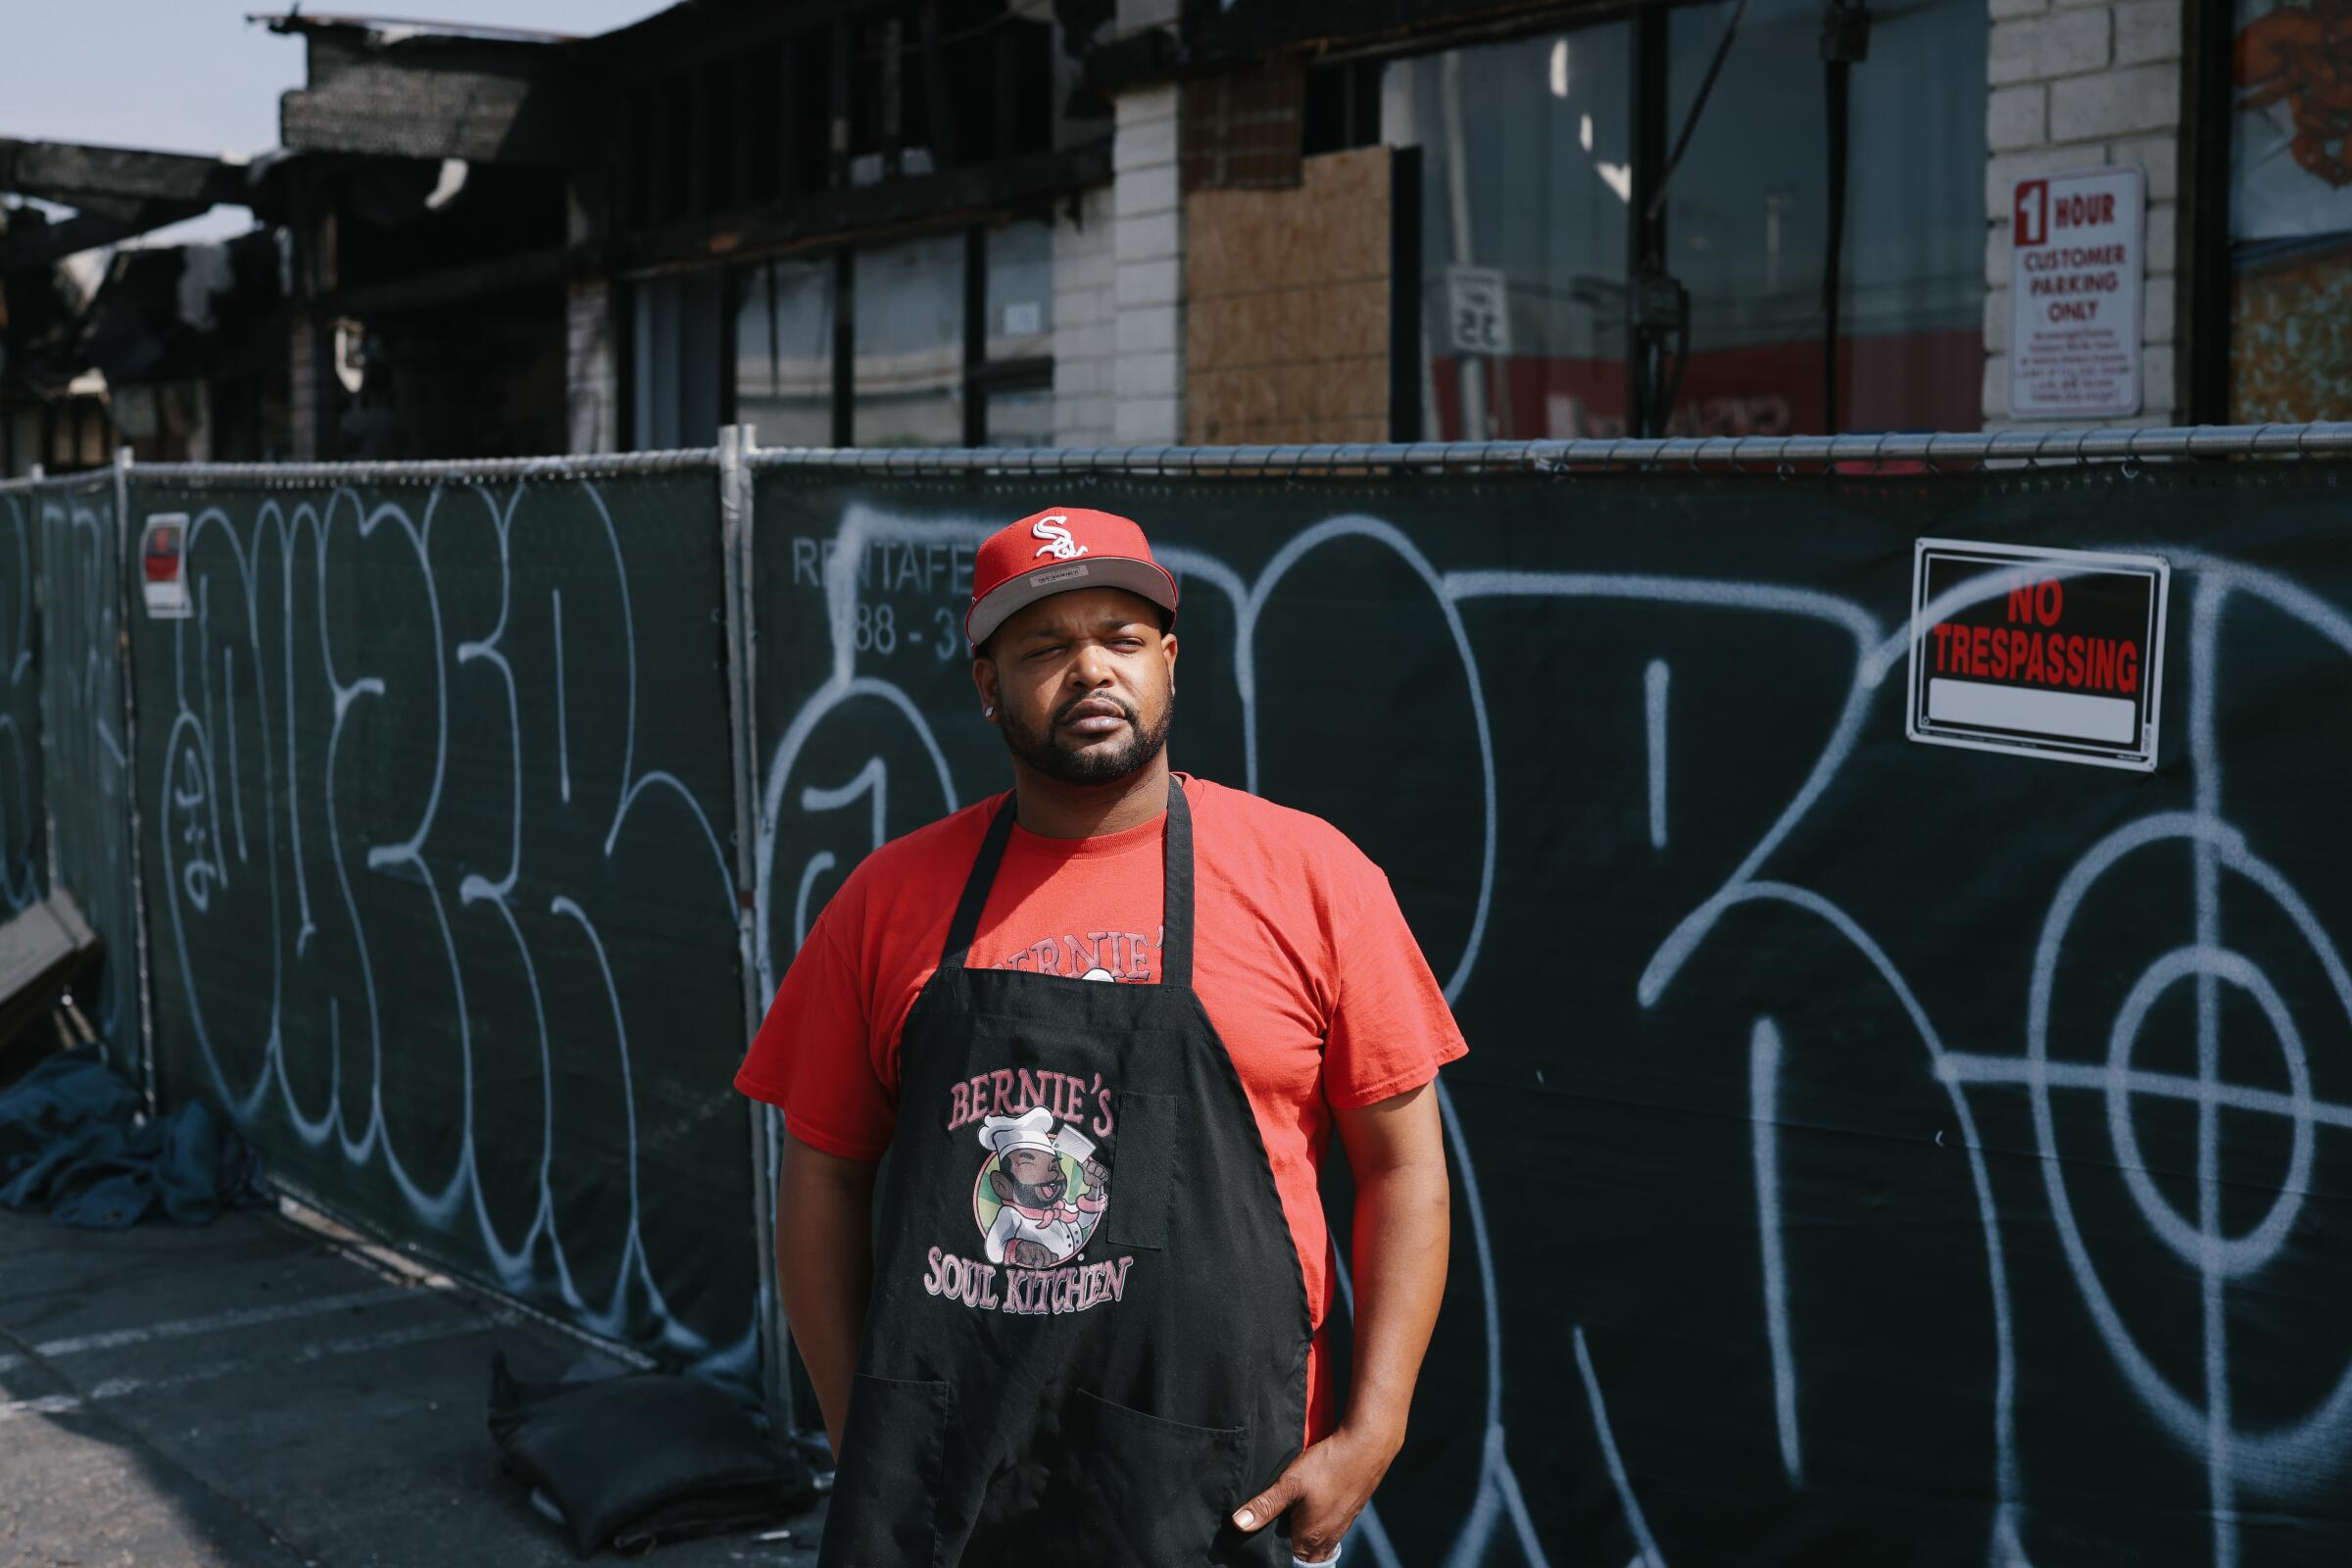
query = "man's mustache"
{"x": 1062, "y": 715}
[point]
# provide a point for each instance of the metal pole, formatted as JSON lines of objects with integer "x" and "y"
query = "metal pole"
{"x": 735, "y": 445}
{"x": 127, "y": 672}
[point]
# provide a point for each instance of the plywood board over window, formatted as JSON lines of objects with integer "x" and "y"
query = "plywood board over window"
{"x": 1289, "y": 302}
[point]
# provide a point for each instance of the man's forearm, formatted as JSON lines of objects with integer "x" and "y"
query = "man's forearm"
{"x": 1402, "y": 1224}
{"x": 825, "y": 1268}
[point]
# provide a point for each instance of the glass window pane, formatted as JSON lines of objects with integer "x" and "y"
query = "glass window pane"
{"x": 676, "y": 326}
{"x": 2290, "y": 218}
{"x": 784, "y": 352}
{"x": 909, "y": 323}
{"x": 1020, "y": 418}
{"x": 1525, "y": 171}
{"x": 1748, "y": 213}
{"x": 1021, "y": 290}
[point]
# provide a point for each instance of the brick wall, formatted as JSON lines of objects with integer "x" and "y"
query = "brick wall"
{"x": 1083, "y": 329}
{"x": 591, "y": 374}
{"x": 1148, "y": 271}
{"x": 2078, "y": 86}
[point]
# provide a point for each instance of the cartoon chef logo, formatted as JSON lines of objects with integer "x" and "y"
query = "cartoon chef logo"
{"x": 1040, "y": 1192}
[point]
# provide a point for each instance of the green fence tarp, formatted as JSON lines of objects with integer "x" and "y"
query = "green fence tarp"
{"x": 24, "y": 838}
{"x": 91, "y": 766}
{"x": 439, "y": 866}
{"x": 1869, "y": 1151}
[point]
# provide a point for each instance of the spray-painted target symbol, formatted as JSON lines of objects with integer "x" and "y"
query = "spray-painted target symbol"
{"x": 2233, "y": 1256}
{"x": 2204, "y": 1425}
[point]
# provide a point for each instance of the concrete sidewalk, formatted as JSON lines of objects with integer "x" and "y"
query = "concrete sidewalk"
{"x": 266, "y": 1394}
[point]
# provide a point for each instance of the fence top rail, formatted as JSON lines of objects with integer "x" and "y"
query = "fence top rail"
{"x": 1771, "y": 454}
{"x": 1766, "y": 453}
{"x": 427, "y": 472}
{"x": 26, "y": 482}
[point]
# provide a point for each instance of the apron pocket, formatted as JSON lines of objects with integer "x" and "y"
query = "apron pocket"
{"x": 1141, "y": 1188}
{"x": 1142, "y": 1491}
{"x": 884, "y": 1512}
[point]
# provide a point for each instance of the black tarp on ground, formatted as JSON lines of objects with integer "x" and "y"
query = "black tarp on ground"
{"x": 1769, "y": 1249}
{"x": 440, "y": 880}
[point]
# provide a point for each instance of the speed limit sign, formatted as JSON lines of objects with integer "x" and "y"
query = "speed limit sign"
{"x": 1478, "y": 310}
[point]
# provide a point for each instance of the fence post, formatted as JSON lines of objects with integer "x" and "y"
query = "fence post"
{"x": 735, "y": 446}
{"x": 125, "y": 552}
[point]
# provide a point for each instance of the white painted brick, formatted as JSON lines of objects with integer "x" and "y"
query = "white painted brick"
{"x": 2002, "y": 10}
{"x": 1079, "y": 306}
{"x": 2147, "y": 29}
{"x": 1145, "y": 332}
{"x": 2003, "y": 171}
{"x": 1136, "y": 15}
{"x": 2062, "y": 44}
{"x": 2017, "y": 117}
{"x": 1096, "y": 340}
{"x": 2164, "y": 235}
{"x": 1996, "y": 250}
{"x": 1996, "y": 320}
{"x": 2159, "y": 393}
{"x": 1146, "y": 240}
{"x": 2115, "y": 103}
{"x": 1075, "y": 376}
{"x": 2159, "y": 157}
{"x": 2158, "y": 300}
{"x": 1144, "y": 376}
{"x": 1152, "y": 189}
{"x": 1148, "y": 419}
{"x": 1144, "y": 105}
{"x": 1090, "y": 268}
{"x": 1143, "y": 146}
{"x": 1147, "y": 283}
{"x": 1995, "y": 391}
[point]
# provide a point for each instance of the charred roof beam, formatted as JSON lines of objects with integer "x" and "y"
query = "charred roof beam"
{"x": 74, "y": 174}
{"x": 27, "y": 242}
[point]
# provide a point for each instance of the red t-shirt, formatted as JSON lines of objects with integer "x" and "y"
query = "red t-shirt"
{"x": 1301, "y": 959}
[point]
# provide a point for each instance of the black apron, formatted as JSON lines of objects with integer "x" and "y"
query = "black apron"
{"x": 1086, "y": 1343}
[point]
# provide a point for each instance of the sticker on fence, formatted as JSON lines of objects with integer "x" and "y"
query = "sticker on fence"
{"x": 2054, "y": 652}
{"x": 163, "y": 565}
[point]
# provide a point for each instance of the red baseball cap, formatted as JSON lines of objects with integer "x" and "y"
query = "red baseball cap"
{"x": 1054, "y": 551}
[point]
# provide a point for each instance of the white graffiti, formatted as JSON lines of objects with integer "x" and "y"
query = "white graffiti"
{"x": 20, "y": 706}
{"x": 86, "y": 770}
{"x": 2279, "y": 1460}
{"x": 301, "y": 990}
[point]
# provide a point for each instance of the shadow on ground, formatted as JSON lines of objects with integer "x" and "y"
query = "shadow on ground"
{"x": 255, "y": 1394}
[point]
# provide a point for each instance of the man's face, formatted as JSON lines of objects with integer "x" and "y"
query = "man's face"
{"x": 1083, "y": 684}
{"x": 1036, "y": 1177}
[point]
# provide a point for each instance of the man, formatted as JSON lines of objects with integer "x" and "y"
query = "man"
{"x": 1149, "y": 1000}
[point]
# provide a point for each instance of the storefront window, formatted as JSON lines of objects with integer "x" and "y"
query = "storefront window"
{"x": 913, "y": 370}
{"x": 1747, "y": 221}
{"x": 2290, "y": 216}
{"x": 1527, "y": 203}
{"x": 1526, "y": 173}
{"x": 1020, "y": 291}
{"x": 907, "y": 374}
{"x": 784, "y": 351}
{"x": 675, "y": 348}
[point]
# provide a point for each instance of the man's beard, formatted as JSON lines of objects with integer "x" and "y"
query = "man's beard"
{"x": 1098, "y": 765}
{"x": 1028, "y": 1197}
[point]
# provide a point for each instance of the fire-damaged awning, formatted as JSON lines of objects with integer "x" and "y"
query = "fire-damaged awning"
{"x": 430, "y": 90}
{"x": 115, "y": 193}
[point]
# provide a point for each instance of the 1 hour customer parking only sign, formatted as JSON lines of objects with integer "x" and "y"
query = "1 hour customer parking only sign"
{"x": 2054, "y": 652}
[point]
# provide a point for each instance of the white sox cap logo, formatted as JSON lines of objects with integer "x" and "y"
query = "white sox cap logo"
{"x": 1056, "y": 536}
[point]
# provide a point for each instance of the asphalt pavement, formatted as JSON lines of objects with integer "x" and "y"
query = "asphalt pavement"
{"x": 268, "y": 1392}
